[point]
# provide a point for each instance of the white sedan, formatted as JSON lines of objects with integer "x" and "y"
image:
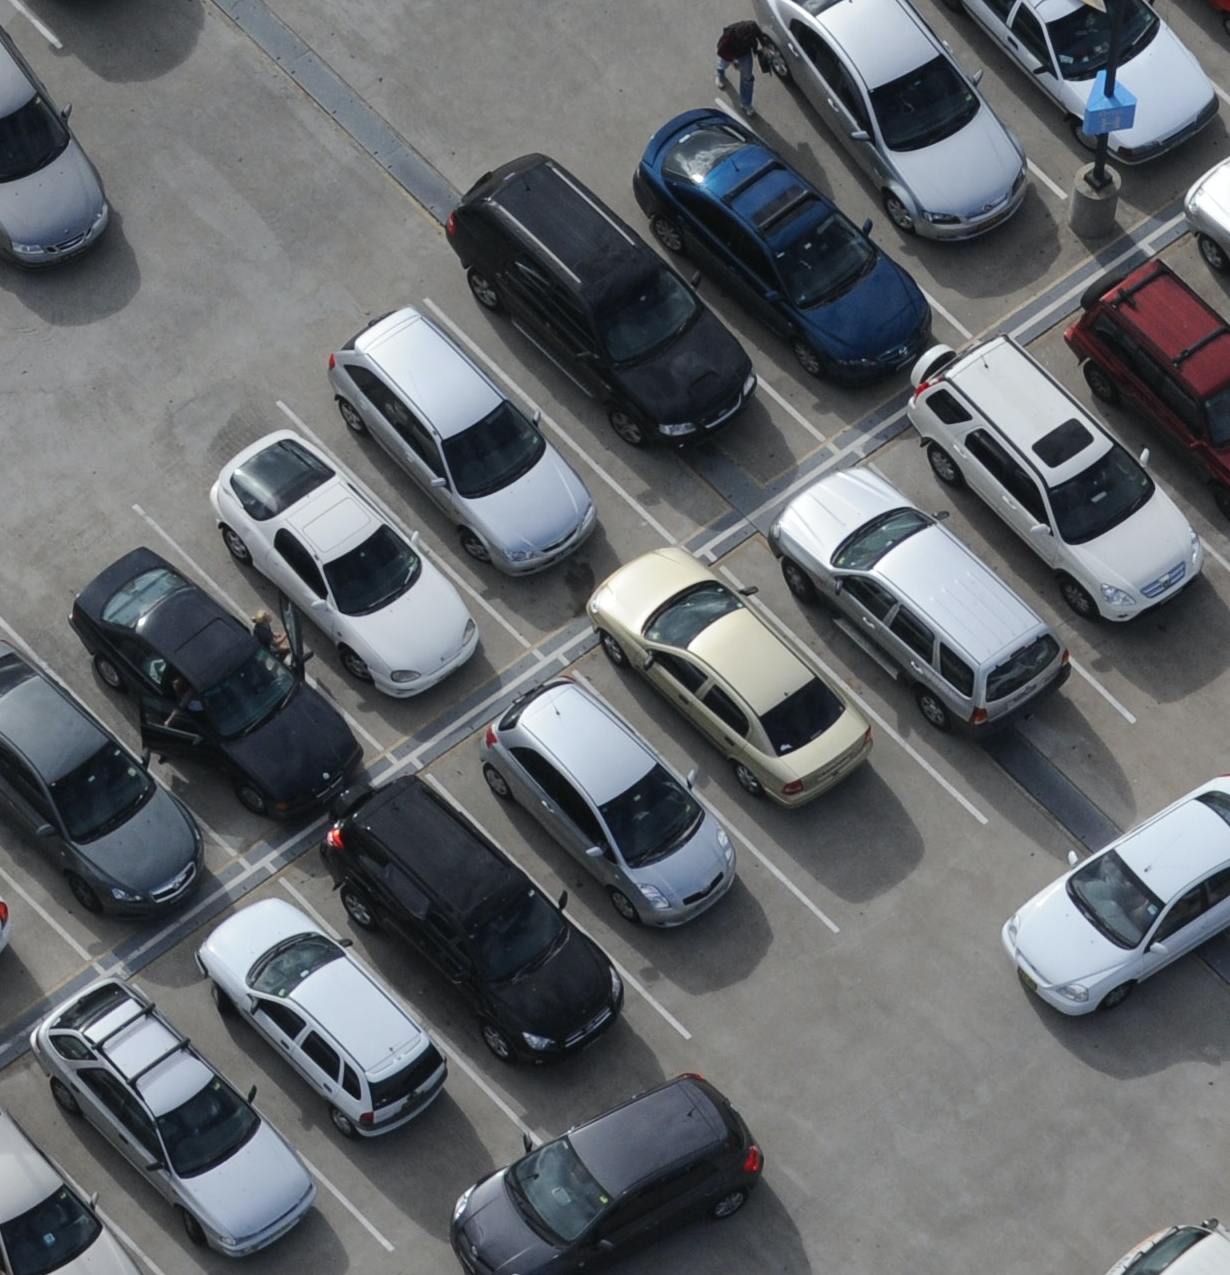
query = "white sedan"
{"x": 1150, "y": 896}
{"x": 285, "y": 508}
{"x": 1180, "y": 1250}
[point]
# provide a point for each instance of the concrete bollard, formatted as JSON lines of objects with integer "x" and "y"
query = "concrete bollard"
{"x": 1093, "y": 212}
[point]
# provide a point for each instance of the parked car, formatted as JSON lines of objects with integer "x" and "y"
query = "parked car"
{"x": 123, "y": 842}
{"x": 974, "y": 653}
{"x": 995, "y": 419}
{"x": 52, "y": 205}
{"x": 756, "y": 694}
{"x": 113, "y": 1058}
{"x": 207, "y": 690}
{"x": 599, "y": 302}
{"x": 516, "y": 503}
{"x": 610, "y": 801}
{"x": 713, "y": 190}
{"x": 341, "y": 1028}
{"x": 608, "y": 1187}
{"x": 396, "y": 620}
{"x": 901, "y": 106}
{"x": 1207, "y": 206}
{"x": 1119, "y": 916}
{"x": 408, "y": 861}
{"x": 45, "y": 1224}
{"x": 1180, "y": 1250}
{"x": 1148, "y": 337}
{"x": 1061, "y": 45}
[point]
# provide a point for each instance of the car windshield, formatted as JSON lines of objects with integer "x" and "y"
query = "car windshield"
{"x": 557, "y": 1189}
{"x": 517, "y": 938}
{"x": 1081, "y": 39}
{"x": 1021, "y": 667}
{"x": 1113, "y": 899}
{"x": 207, "y": 1129}
{"x": 374, "y": 574}
{"x": 825, "y": 261}
{"x": 652, "y": 817}
{"x": 801, "y": 716}
{"x": 861, "y": 550}
{"x": 278, "y": 477}
{"x": 1154, "y": 1260}
{"x": 101, "y": 793}
{"x": 1217, "y": 412}
{"x": 700, "y": 150}
{"x": 30, "y": 138}
{"x": 495, "y": 452}
{"x": 1100, "y": 497}
{"x": 647, "y": 317}
{"x": 249, "y": 695}
{"x": 924, "y": 106}
{"x": 690, "y": 612}
{"x": 285, "y": 966}
{"x": 49, "y": 1235}
{"x": 127, "y": 605}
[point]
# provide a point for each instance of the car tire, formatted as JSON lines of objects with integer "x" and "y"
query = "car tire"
{"x": 192, "y": 1228}
{"x": 932, "y": 708}
{"x": 1215, "y": 256}
{"x": 496, "y": 782}
{"x": 1099, "y": 382}
{"x": 351, "y": 416}
{"x": 729, "y": 1204}
{"x": 1078, "y": 598}
{"x": 354, "y": 664}
{"x": 235, "y": 546}
{"x": 667, "y": 233}
{"x": 64, "y": 1097}
{"x": 624, "y": 906}
{"x": 612, "y": 650}
{"x": 778, "y": 65}
{"x": 358, "y": 909}
{"x": 1221, "y": 497}
{"x": 83, "y": 892}
{"x": 497, "y": 1041}
{"x": 109, "y": 673}
{"x": 1116, "y": 996}
{"x": 472, "y": 545}
{"x": 747, "y": 780}
{"x": 343, "y": 1123}
{"x": 811, "y": 361}
{"x": 251, "y": 798}
{"x": 485, "y": 292}
{"x": 944, "y": 467}
{"x": 1085, "y": 141}
{"x": 898, "y": 213}
{"x": 798, "y": 582}
{"x": 222, "y": 1002}
{"x": 629, "y": 428}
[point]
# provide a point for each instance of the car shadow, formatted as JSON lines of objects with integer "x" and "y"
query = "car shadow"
{"x": 125, "y": 41}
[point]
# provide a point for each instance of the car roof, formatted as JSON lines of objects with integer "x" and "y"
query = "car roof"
{"x": 598, "y": 750}
{"x": 429, "y": 370}
{"x": 1209, "y": 1256}
{"x": 656, "y": 1129}
{"x": 15, "y": 87}
{"x": 747, "y": 654}
{"x": 332, "y": 519}
{"x": 756, "y": 184}
{"x": 51, "y": 730}
{"x": 1178, "y": 846}
{"x": 883, "y": 39}
{"x": 26, "y": 1177}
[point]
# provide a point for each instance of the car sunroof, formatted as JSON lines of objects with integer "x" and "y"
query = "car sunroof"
{"x": 1062, "y": 443}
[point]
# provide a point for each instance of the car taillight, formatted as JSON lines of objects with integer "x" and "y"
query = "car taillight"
{"x": 450, "y": 226}
{"x": 922, "y": 385}
{"x": 333, "y": 838}
{"x": 978, "y": 716}
{"x": 332, "y": 362}
{"x": 75, "y": 614}
{"x": 366, "y": 1117}
{"x": 1066, "y": 657}
{"x": 689, "y": 1075}
{"x": 491, "y": 738}
{"x": 795, "y": 785}
{"x": 4, "y": 912}
{"x": 753, "y": 1162}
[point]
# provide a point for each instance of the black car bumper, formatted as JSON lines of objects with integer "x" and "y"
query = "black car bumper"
{"x": 580, "y": 1039}
{"x": 309, "y": 804}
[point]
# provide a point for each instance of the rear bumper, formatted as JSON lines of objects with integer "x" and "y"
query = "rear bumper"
{"x": 991, "y": 728}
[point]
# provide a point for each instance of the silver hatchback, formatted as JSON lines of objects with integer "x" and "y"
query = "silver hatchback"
{"x": 609, "y": 799}
{"x": 515, "y": 501}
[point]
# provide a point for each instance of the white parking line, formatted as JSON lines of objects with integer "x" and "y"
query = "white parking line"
{"x": 346, "y": 1204}
{"x": 790, "y": 410}
{"x": 35, "y": 906}
{"x": 27, "y": 650}
{"x": 1102, "y": 691}
{"x": 611, "y": 482}
{"x": 1056, "y": 189}
{"x": 444, "y": 566}
{"x": 1221, "y": 92}
{"x": 654, "y": 1003}
{"x": 1217, "y": 557}
{"x": 128, "y": 1242}
{"x": 947, "y": 314}
{"x": 215, "y": 835}
{"x": 41, "y": 27}
{"x": 864, "y": 707}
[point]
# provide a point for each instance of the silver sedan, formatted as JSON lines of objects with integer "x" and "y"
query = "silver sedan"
{"x": 1207, "y": 206}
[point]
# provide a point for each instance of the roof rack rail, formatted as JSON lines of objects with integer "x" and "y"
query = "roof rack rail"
{"x": 780, "y": 214}
{"x": 181, "y": 1043}
{"x": 1208, "y": 338}
{"x": 1125, "y": 295}
{"x": 146, "y": 1009}
{"x": 754, "y": 176}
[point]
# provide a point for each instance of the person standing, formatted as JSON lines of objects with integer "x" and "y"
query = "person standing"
{"x": 737, "y": 46}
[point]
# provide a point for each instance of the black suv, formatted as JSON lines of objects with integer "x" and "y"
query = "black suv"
{"x": 407, "y": 860}
{"x": 590, "y": 293}
{"x": 610, "y": 1186}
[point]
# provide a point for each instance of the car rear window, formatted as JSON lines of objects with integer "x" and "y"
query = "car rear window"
{"x": 865, "y": 547}
{"x": 92, "y": 1005}
{"x": 698, "y": 152}
{"x": 280, "y": 971}
{"x": 1154, "y": 1260}
{"x": 1021, "y": 667}
{"x": 801, "y": 717}
{"x": 403, "y": 1083}
{"x": 275, "y": 479}
{"x": 1062, "y": 443}
{"x": 140, "y": 596}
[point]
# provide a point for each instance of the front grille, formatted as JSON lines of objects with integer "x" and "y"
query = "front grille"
{"x": 718, "y": 414}
{"x": 175, "y": 886}
{"x": 558, "y": 544}
{"x": 67, "y": 245}
{"x": 1155, "y": 588}
{"x": 589, "y": 1028}
{"x": 331, "y": 789}
{"x": 705, "y": 893}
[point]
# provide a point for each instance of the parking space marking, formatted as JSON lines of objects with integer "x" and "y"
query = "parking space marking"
{"x": 40, "y": 26}
{"x": 1221, "y": 92}
{"x": 790, "y": 410}
{"x": 345, "y": 1203}
{"x": 214, "y": 834}
{"x": 653, "y": 1002}
{"x": 1217, "y": 557}
{"x": 128, "y": 1242}
{"x": 437, "y": 558}
{"x": 1055, "y": 188}
{"x": 864, "y": 707}
{"x": 479, "y": 354}
{"x": 1130, "y": 718}
{"x": 947, "y": 314}
{"x": 35, "y": 906}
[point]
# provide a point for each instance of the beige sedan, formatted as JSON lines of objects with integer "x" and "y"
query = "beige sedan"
{"x": 753, "y": 693}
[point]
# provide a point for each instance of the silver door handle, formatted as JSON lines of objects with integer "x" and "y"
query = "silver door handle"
{"x": 327, "y": 1088}
{"x": 285, "y": 1045}
{"x": 790, "y": 48}
{"x": 1011, "y": 43}
{"x": 870, "y": 624}
{"x": 916, "y": 666}
{"x": 832, "y": 104}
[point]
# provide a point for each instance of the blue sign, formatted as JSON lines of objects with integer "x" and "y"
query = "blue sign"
{"x": 1110, "y": 114}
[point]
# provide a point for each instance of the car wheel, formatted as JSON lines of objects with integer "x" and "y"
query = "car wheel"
{"x": 1078, "y": 598}
{"x": 474, "y": 546}
{"x": 777, "y": 63}
{"x": 485, "y": 292}
{"x": 932, "y": 708}
{"x": 1086, "y": 140}
{"x": 729, "y": 1204}
{"x": 64, "y": 1097}
{"x": 496, "y": 782}
{"x": 809, "y": 360}
{"x": 351, "y": 416}
{"x": 354, "y": 665}
{"x": 624, "y": 906}
{"x": 666, "y": 233}
{"x": 193, "y": 1229}
{"x": 108, "y": 672}
{"x": 898, "y": 213}
{"x": 631, "y": 430}
{"x": 83, "y": 892}
{"x": 358, "y": 909}
{"x": 342, "y": 1123}
{"x": 1099, "y": 382}
{"x": 235, "y": 546}
{"x": 612, "y": 650}
{"x": 1213, "y": 253}
{"x": 497, "y": 1042}
{"x": 222, "y": 1002}
{"x": 747, "y": 779}
{"x": 944, "y": 467}
{"x": 251, "y": 798}
{"x": 798, "y": 582}
{"x": 1116, "y": 996}
{"x": 1221, "y": 496}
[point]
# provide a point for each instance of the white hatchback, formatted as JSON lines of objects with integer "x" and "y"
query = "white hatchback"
{"x": 1122, "y": 914}
{"x": 1180, "y": 1250}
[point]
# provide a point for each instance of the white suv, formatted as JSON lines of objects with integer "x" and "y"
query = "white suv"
{"x": 340, "y": 1028}
{"x": 995, "y": 420}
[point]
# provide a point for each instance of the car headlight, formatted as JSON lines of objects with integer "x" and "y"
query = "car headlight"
{"x": 519, "y": 555}
{"x": 590, "y": 514}
{"x": 728, "y": 851}
{"x": 1013, "y": 927}
{"x": 102, "y": 214}
{"x": 941, "y": 219}
{"x": 405, "y": 675}
{"x": 469, "y": 631}
{"x": 126, "y": 896}
{"x": 537, "y": 1042}
{"x": 775, "y": 532}
{"x": 28, "y": 249}
{"x": 617, "y": 984}
{"x": 462, "y": 1200}
{"x": 749, "y": 385}
{"x": 654, "y": 897}
{"x": 678, "y": 430}
{"x": 1194, "y": 545}
{"x": 1072, "y": 991}
{"x": 1117, "y": 597}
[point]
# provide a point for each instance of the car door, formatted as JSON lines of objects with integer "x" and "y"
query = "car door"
{"x": 992, "y": 16}
{"x": 646, "y": 1214}
{"x": 1011, "y": 492}
{"x": 912, "y": 644}
{"x": 730, "y": 725}
{"x": 557, "y": 805}
{"x": 293, "y": 569}
{"x": 319, "y": 1063}
{"x": 677, "y": 678}
{"x": 1181, "y": 927}
{"x": 172, "y": 732}
{"x": 106, "y": 1101}
{"x": 1027, "y": 44}
{"x": 818, "y": 71}
{"x": 278, "y": 1023}
{"x": 869, "y": 604}
{"x": 23, "y": 797}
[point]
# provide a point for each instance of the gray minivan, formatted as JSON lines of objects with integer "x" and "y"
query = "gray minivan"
{"x": 973, "y": 651}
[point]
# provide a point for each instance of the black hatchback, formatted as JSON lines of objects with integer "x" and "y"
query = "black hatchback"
{"x": 608, "y": 1187}
{"x": 208, "y": 690}
{"x": 408, "y": 861}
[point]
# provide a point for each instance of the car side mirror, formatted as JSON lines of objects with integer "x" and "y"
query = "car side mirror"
{"x": 318, "y": 604}
{"x": 536, "y": 419}
{"x": 594, "y": 852}
{"x": 1042, "y": 70}
{"x": 940, "y": 515}
{"x": 1160, "y": 948}
{"x": 66, "y": 111}
{"x": 691, "y": 777}
{"x": 1144, "y": 458}
{"x": 867, "y": 226}
{"x": 748, "y": 590}
{"x": 695, "y": 279}
{"x": 647, "y": 662}
{"x": 860, "y": 135}
{"x": 1073, "y": 858}
{"x": 1039, "y": 529}
{"x": 251, "y": 1095}
{"x": 562, "y": 901}
{"x": 527, "y": 1142}
{"x": 44, "y": 830}
{"x": 415, "y": 537}
{"x": 976, "y": 78}
{"x": 438, "y": 480}
{"x": 93, "y": 1200}
{"x": 145, "y": 755}
{"x": 153, "y": 1166}
{"x": 345, "y": 942}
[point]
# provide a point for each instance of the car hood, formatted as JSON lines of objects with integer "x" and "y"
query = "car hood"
{"x": 493, "y": 1229}
{"x": 150, "y": 849}
{"x": 543, "y": 507}
{"x": 1057, "y": 941}
{"x": 882, "y": 310}
{"x": 689, "y": 867}
{"x": 699, "y": 371}
{"x": 259, "y": 1184}
{"x": 104, "y": 1257}
{"x": 561, "y": 996}
{"x": 55, "y": 204}
{"x": 298, "y": 751}
{"x": 421, "y": 630}
{"x": 1140, "y": 549}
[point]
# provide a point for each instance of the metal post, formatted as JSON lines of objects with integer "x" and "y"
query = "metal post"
{"x": 1098, "y": 177}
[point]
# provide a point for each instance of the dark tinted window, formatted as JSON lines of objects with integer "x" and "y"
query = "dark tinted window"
{"x": 1028, "y": 30}
{"x": 648, "y": 820}
{"x": 278, "y": 477}
{"x": 493, "y": 453}
{"x": 683, "y": 671}
{"x": 1183, "y": 406}
{"x": 30, "y": 138}
{"x": 300, "y": 561}
{"x": 1099, "y": 498}
{"x": 698, "y": 152}
{"x": 1022, "y": 667}
{"x": 914, "y": 633}
{"x": 1081, "y": 39}
{"x": 824, "y": 261}
{"x": 284, "y": 1018}
{"x": 924, "y": 106}
{"x": 140, "y": 595}
{"x": 350, "y": 1081}
{"x": 1217, "y": 414}
{"x": 322, "y": 1054}
{"x": 644, "y": 319}
{"x": 878, "y": 601}
{"x": 1155, "y": 1260}
{"x": 1183, "y": 911}
{"x": 865, "y": 547}
{"x": 689, "y": 613}
{"x": 248, "y": 696}
{"x": 285, "y": 966}
{"x": 818, "y": 52}
{"x": 942, "y": 403}
{"x": 208, "y": 1129}
{"x": 49, "y": 1235}
{"x": 989, "y": 453}
{"x": 92, "y": 1004}
{"x": 801, "y": 717}
{"x": 104, "y": 791}
{"x": 1062, "y": 443}
{"x": 373, "y": 574}
{"x": 955, "y": 671}
{"x": 726, "y": 710}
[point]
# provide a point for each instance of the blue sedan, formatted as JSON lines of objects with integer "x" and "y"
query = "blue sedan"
{"x": 713, "y": 190}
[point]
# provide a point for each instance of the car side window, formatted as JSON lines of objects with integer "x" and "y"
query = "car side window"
{"x": 282, "y": 1017}
{"x": 711, "y": 215}
{"x": 955, "y": 671}
{"x": 1183, "y": 406}
{"x": 323, "y": 1055}
{"x": 403, "y": 890}
{"x": 1146, "y": 367}
{"x": 1182, "y": 912}
{"x": 368, "y": 383}
{"x": 683, "y": 671}
{"x": 299, "y": 561}
{"x": 726, "y": 710}
{"x": 816, "y": 51}
{"x": 350, "y": 1081}
{"x": 24, "y": 783}
{"x": 990, "y": 454}
{"x": 851, "y": 98}
{"x": 565, "y": 796}
{"x": 869, "y": 595}
{"x": 631, "y": 1212}
{"x": 1024, "y": 489}
{"x": 1029, "y": 31}
{"x": 140, "y": 1124}
{"x": 914, "y": 633}
{"x": 531, "y": 287}
{"x": 1000, "y": 8}
{"x": 104, "y": 1086}
{"x": 946, "y": 407}
{"x": 69, "y": 1046}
